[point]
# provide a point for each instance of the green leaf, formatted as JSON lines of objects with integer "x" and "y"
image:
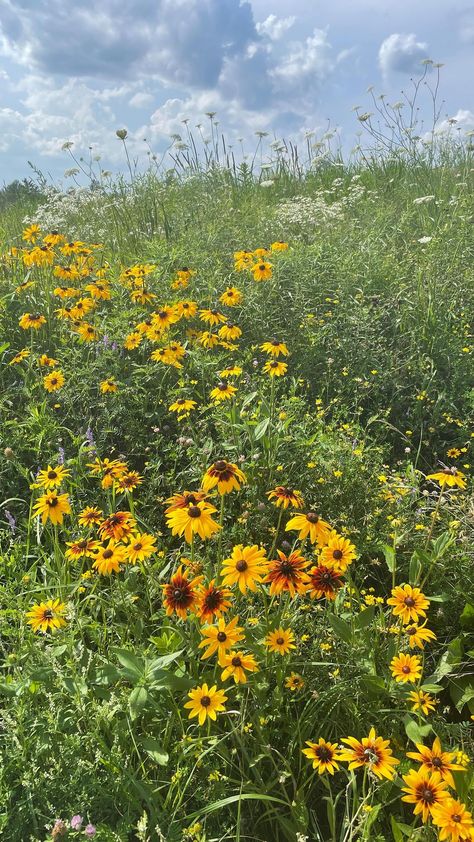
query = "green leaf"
{"x": 261, "y": 429}
{"x": 415, "y": 569}
{"x": 373, "y": 684}
{"x": 415, "y": 732}
{"x": 467, "y": 617}
{"x": 390, "y": 557}
{"x": 158, "y": 664}
{"x": 365, "y": 618}
{"x": 340, "y": 628}
{"x": 461, "y": 690}
{"x": 134, "y": 666}
{"x": 155, "y": 750}
{"x": 396, "y": 831}
{"x": 4, "y": 347}
{"x": 432, "y": 688}
{"x": 137, "y": 701}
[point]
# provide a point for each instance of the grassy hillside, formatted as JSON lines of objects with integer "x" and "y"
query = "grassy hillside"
{"x": 115, "y": 310}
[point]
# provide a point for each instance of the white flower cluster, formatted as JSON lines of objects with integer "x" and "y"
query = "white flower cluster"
{"x": 303, "y": 214}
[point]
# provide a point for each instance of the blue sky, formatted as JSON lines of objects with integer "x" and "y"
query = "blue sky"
{"x": 77, "y": 71}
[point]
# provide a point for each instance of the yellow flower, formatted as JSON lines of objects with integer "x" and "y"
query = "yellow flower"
{"x": 32, "y": 320}
{"x": 182, "y": 406}
{"x": 280, "y": 640}
{"x": 262, "y": 271}
{"x": 372, "y": 752}
{"x": 434, "y": 759}
{"x": 279, "y": 246}
{"x": 323, "y": 755}
{"x": 50, "y": 478}
{"x": 140, "y": 547}
{"x": 452, "y": 477}
{"x": 220, "y": 637}
{"x": 108, "y": 386}
{"x": 195, "y": 519}
{"x": 288, "y": 573}
{"x": 408, "y": 603}
{"x": 22, "y": 355}
{"x": 31, "y": 234}
{"x": 246, "y": 567}
{"x": 47, "y": 616}
{"x": 310, "y": 525}
{"x": 275, "y": 368}
{"x": 236, "y": 664}
{"x": 338, "y": 553}
{"x": 52, "y": 506}
{"x": 419, "y": 635}
{"x": 205, "y": 702}
{"x": 275, "y": 348}
{"x": 225, "y": 475}
{"x": 180, "y": 594}
{"x": 54, "y": 380}
{"x": 285, "y": 496}
{"x": 224, "y": 391}
{"x": 425, "y": 791}
{"x": 453, "y": 820}
{"x": 294, "y": 682}
{"x": 406, "y": 668}
{"x": 231, "y": 296}
{"x": 109, "y": 558}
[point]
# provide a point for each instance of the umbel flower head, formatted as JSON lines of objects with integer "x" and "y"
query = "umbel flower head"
{"x": 225, "y": 475}
{"x": 47, "y": 616}
{"x": 372, "y": 752}
{"x": 205, "y": 702}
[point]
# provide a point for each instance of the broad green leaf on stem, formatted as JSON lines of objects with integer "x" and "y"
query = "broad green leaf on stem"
{"x": 415, "y": 732}
{"x": 137, "y": 701}
{"x": 155, "y": 750}
{"x": 134, "y": 666}
{"x": 340, "y": 628}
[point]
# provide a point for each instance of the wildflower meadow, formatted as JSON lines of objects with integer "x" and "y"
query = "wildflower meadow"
{"x": 236, "y": 511}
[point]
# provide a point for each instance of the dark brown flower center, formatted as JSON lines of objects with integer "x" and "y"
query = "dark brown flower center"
{"x": 222, "y": 386}
{"x": 324, "y": 753}
{"x": 205, "y": 701}
{"x": 411, "y": 630}
{"x": 312, "y": 517}
{"x": 53, "y": 501}
{"x": 406, "y": 670}
{"x": 82, "y": 544}
{"x": 52, "y": 475}
{"x": 162, "y": 314}
{"x": 220, "y": 465}
{"x": 138, "y": 546}
{"x": 286, "y": 568}
{"x": 262, "y": 267}
{"x": 194, "y": 511}
{"x": 437, "y": 762}
{"x": 221, "y": 636}
{"x": 337, "y": 554}
{"x": 241, "y": 565}
{"x": 213, "y": 600}
{"x": 280, "y": 641}
{"x": 427, "y": 795}
{"x": 48, "y": 614}
{"x": 456, "y": 817}
{"x": 107, "y": 554}
{"x": 236, "y": 662}
{"x": 409, "y": 601}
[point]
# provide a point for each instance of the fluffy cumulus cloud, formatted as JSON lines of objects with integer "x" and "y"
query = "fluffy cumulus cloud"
{"x": 402, "y": 54}
{"x": 275, "y": 27}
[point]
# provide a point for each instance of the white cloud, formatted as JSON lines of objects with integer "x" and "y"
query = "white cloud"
{"x": 274, "y": 28}
{"x": 463, "y": 119}
{"x": 141, "y": 100}
{"x": 401, "y": 53}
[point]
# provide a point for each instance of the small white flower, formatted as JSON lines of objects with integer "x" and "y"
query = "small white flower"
{"x": 424, "y": 240}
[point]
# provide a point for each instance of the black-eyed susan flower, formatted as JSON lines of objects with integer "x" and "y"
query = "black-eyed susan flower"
{"x": 230, "y": 331}
{"x": 224, "y": 391}
{"x": 406, "y": 668}
{"x": 408, "y": 603}
{"x": 246, "y": 567}
{"x": 43, "y": 359}
{"x": 280, "y": 640}
{"x": 118, "y": 525}
{"x": 31, "y": 321}
{"x": 140, "y": 546}
{"x": 54, "y": 380}
{"x": 231, "y": 296}
{"x": 450, "y": 477}
{"x": 213, "y": 601}
{"x": 421, "y": 701}
{"x": 275, "y": 348}
{"x": 99, "y": 290}
{"x": 288, "y": 573}
{"x": 109, "y": 558}
{"x": 82, "y": 548}
{"x": 274, "y": 368}
{"x": 50, "y": 478}
{"x": 309, "y": 525}
{"x": 232, "y": 371}
{"x": 87, "y": 332}
{"x": 54, "y": 238}
{"x": 109, "y": 470}
{"x": 220, "y": 637}
{"x": 278, "y": 245}
{"x": 434, "y": 759}
{"x": 323, "y": 755}
{"x": 47, "y": 616}
{"x": 243, "y": 260}
{"x": 285, "y": 496}
{"x": 208, "y": 339}
{"x": 165, "y": 317}
{"x": 338, "y": 553}
{"x": 180, "y": 595}
{"x": 193, "y": 520}
{"x": 132, "y": 341}
{"x": 224, "y": 475}
{"x": 128, "y": 481}
{"x": 294, "y": 682}
{"x": 212, "y": 317}
{"x": 22, "y": 355}
{"x": 205, "y": 702}
{"x": 31, "y": 233}
{"x": 184, "y": 499}
{"x": 52, "y": 506}
{"x": 262, "y": 271}
{"x": 372, "y": 752}
{"x": 108, "y": 386}
{"x": 453, "y": 820}
{"x": 324, "y": 581}
{"x": 425, "y": 791}
{"x": 186, "y": 309}
{"x": 90, "y": 516}
{"x": 182, "y": 407}
{"x": 237, "y": 664}
{"x": 418, "y": 636}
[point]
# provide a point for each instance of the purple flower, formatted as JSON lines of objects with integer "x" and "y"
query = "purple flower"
{"x": 76, "y": 822}
{"x": 61, "y": 456}
{"x": 11, "y": 521}
{"x": 90, "y": 830}
{"x": 90, "y": 437}
{"x": 114, "y": 346}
